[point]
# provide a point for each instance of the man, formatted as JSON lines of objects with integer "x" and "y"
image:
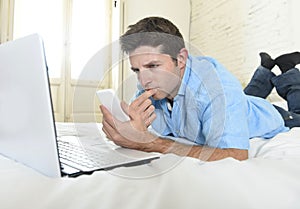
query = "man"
{"x": 194, "y": 98}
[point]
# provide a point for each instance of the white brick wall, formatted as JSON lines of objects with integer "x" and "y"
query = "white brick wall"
{"x": 235, "y": 31}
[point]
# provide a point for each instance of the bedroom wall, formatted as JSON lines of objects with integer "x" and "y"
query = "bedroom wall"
{"x": 235, "y": 31}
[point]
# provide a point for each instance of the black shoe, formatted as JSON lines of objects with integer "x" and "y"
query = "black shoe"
{"x": 266, "y": 60}
{"x": 288, "y": 61}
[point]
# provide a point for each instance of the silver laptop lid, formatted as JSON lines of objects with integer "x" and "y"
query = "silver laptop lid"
{"x": 27, "y": 132}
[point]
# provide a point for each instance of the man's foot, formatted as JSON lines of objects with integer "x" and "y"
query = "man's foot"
{"x": 286, "y": 62}
{"x": 266, "y": 60}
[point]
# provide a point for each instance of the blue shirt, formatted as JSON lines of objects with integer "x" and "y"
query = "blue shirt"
{"x": 211, "y": 109}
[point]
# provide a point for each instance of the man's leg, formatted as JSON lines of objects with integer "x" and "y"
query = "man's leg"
{"x": 288, "y": 87}
{"x": 291, "y": 119}
{"x": 260, "y": 84}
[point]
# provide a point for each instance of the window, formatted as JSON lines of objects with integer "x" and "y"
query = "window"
{"x": 73, "y": 32}
{"x": 44, "y": 18}
{"x": 89, "y": 32}
{"x": 81, "y": 26}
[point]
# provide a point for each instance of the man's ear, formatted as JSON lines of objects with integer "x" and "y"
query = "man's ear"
{"x": 182, "y": 58}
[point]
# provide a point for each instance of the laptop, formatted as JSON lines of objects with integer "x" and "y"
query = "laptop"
{"x": 27, "y": 126}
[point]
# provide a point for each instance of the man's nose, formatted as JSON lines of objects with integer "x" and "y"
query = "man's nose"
{"x": 145, "y": 77}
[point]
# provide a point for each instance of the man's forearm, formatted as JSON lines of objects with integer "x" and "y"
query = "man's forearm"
{"x": 205, "y": 153}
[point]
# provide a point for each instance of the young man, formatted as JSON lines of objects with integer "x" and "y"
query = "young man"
{"x": 197, "y": 99}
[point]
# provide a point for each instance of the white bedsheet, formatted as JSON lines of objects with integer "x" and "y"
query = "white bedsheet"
{"x": 270, "y": 178}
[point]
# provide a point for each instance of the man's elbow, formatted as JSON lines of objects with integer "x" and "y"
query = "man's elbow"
{"x": 238, "y": 154}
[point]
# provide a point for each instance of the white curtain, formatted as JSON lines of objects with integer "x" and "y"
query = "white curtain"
{"x": 6, "y": 20}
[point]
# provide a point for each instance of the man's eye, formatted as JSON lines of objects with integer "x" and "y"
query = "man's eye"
{"x": 135, "y": 70}
{"x": 153, "y": 66}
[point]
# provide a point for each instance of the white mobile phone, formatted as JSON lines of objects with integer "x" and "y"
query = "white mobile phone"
{"x": 110, "y": 100}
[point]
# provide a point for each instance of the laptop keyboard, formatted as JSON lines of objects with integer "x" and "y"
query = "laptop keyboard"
{"x": 86, "y": 159}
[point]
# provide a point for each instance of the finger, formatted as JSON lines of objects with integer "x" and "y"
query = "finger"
{"x": 146, "y": 114}
{"x": 141, "y": 110}
{"x": 109, "y": 130}
{"x": 145, "y": 105}
{"x": 104, "y": 129}
{"x": 105, "y": 112}
{"x": 150, "y": 110}
{"x": 147, "y": 123}
{"x": 108, "y": 117}
{"x": 152, "y": 118}
{"x": 106, "y": 133}
{"x": 144, "y": 96}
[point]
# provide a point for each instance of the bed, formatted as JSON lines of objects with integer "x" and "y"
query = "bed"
{"x": 270, "y": 178}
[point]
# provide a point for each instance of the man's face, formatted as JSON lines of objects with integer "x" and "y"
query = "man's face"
{"x": 156, "y": 71}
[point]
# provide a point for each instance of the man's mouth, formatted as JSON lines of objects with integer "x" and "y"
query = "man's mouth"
{"x": 148, "y": 89}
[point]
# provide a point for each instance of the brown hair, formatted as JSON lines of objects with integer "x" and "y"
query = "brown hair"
{"x": 154, "y": 32}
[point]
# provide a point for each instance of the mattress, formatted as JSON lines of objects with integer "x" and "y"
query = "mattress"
{"x": 270, "y": 178}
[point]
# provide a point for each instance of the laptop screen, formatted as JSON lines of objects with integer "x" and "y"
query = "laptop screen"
{"x": 27, "y": 132}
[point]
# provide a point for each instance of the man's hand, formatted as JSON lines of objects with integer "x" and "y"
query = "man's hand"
{"x": 141, "y": 110}
{"x": 131, "y": 134}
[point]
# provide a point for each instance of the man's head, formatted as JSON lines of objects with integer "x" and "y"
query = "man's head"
{"x": 153, "y": 32}
{"x": 157, "y": 55}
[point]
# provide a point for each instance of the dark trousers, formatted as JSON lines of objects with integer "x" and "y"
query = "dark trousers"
{"x": 287, "y": 86}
